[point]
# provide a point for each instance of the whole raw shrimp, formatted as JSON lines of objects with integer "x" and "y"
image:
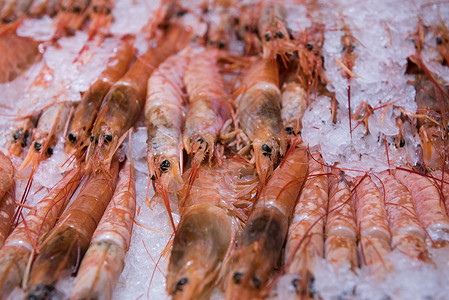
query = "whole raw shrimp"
{"x": 68, "y": 241}
{"x": 209, "y": 106}
{"x": 165, "y": 113}
{"x": 70, "y": 17}
{"x": 208, "y": 227}
{"x": 126, "y": 98}
{"x": 105, "y": 258}
{"x": 259, "y": 115}
{"x": 86, "y": 111}
{"x": 260, "y": 245}
{"x": 21, "y": 134}
{"x": 100, "y": 17}
{"x": 294, "y": 104}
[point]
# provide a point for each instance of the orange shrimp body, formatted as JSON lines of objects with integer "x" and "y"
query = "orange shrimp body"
{"x": 306, "y": 230}
{"x": 71, "y": 17}
{"x": 261, "y": 242}
{"x": 6, "y": 174}
{"x": 105, "y": 258}
{"x": 429, "y": 207}
{"x": 69, "y": 239}
{"x": 165, "y": 114}
{"x": 259, "y": 114}
{"x": 125, "y": 100}
{"x": 407, "y": 233}
{"x": 220, "y": 28}
{"x": 375, "y": 236}
{"x": 340, "y": 246}
{"x": 209, "y": 105}
{"x": 14, "y": 256}
{"x": 86, "y": 111}
{"x": 294, "y": 104}
{"x": 21, "y": 134}
{"x": 13, "y": 9}
{"x": 100, "y": 14}
{"x": 7, "y": 199}
{"x": 44, "y": 7}
{"x": 208, "y": 227}
{"x": 272, "y": 31}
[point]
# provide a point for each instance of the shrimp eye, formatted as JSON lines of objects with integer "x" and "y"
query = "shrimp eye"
{"x": 221, "y": 45}
{"x": 64, "y": 8}
{"x": 107, "y": 138}
{"x": 77, "y": 9}
{"x": 212, "y": 43}
{"x": 50, "y": 151}
{"x": 257, "y": 282}
{"x": 279, "y": 35}
{"x": 246, "y": 27}
{"x": 266, "y": 148}
{"x": 181, "y": 12}
{"x": 165, "y": 165}
{"x": 108, "y": 10}
{"x": 309, "y": 47}
{"x": 72, "y": 138}
{"x": 439, "y": 40}
{"x": 295, "y": 283}
{"x": 237, "y": 277}
{"x": 200, "y": 140}
{"x": 17, "y": 135}
{"x": 95, "y": 8}
{"x": 92, "y": 138}
{"x": 181, "y": 283}
{"x": 267, "y": 36}
{"x": 153, "y": 177}
{"x": 289, "y": 130}
{"x": 402, "y": 143}
{"x": 37, "y": 146}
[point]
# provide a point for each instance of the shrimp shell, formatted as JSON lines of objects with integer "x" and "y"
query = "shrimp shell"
{"x": 105, "y": 258}
{"x": 429, "y": 207}
{"x": 39, "y": 221}
{"x": 294, "y": 105}
{"x": 340, "y": 246}
{"x": 13, "y": 9}
{"x": 6, "y": 174}
{"x": 69, "y": 239}
{"x": 305, "y": 233}
{"x": 260, "y": 245}
{"x": 101, "y": 17}
{"x": 442, "y": 181}
{"x": 44, "y": 7}
{"x": 7, "y": 207}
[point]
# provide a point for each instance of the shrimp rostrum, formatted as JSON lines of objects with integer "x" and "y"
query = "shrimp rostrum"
{"x": 208, "y": 227}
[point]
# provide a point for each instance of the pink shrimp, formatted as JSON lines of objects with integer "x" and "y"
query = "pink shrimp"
{"x": 294, "y": 103}
{"x": 340, "y": 246}
{"x": 21, "y": 135}
{"x": 210, "y": 222}
{"x": 44, "y": 7}
{"x": 69, "y": 239}
{"x": 407, "y": 233}
{"x": 375, "y": 236}
{"x": 71, "y": 17}
{"x": 429, "y": 207}
{"x": 260, "y": 245}
{"x": 15, "y": 254}
{"x": 105, "y": 258}
{"x": 259, "y": 114}
{"x": 7, "y": 199}
{"x": 100, "y": 14}
{"x": 14, "y": 9}
{"x": 306, "y": 231}
{"x": 209, "y": 106}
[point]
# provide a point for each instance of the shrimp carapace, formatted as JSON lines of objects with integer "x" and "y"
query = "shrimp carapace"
{"x": 100, "y": 17}
{"x": 105, "y": 258}
{"x": 261, "y": 242}
{"x": 15, "y": 254}
{"x": 294, "y": 104}
{"x": 70, "y": 17}
{"x": 259, "y": 115}
{"x": 21, "y": 135}
{"x": 306, "y": 230}
{"x": 66, "y": 244}
{"x": 208, "y": 227}
{"x": 209, "y": 106}
{"x": 7, "y": 196}
{"x": 86, "y": 111}
{"x": 126, "y": 98}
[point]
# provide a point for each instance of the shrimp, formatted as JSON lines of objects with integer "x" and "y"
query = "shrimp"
{"x": 375, "y": 236}
{"x": 273, "y": 32}
{"x": 259, "y": 114}
{"x": 220, "y": 29}
{"x": 441, "y": 180}
{"x": 100, "y": 14}
{"x": 7, "y": 200}
{"x": 21, "y": 134}
{"x": 407, "y": 233}
{"x": 340, "y": 245}
{"x": 305, "y": 233}
{"x": 6, "y": 174}
{"x": 67, "y": 242}
{"x": 18, "y": 54}
{"x": 126, "y": 98}
{"x": 44, "y": 7}
{"x": 164, "y": 111}
{"x": 247, "y": 28}
{"x": 430, "y": 210}
{"x": 293, "y": 105}
{"x": 15, "y": 254}
{"x": 51, "y": 125}
{"x": 105, "y": 258}
{"x": 14, "y": 9}
{"x": 209, "y": 106}
{"x": 71, "y": 17}
{"x": 208, "y": 227}
{"x": 442, "y": 40}
{"x": 85, "y": 112}
{"x": 260, "y": 245}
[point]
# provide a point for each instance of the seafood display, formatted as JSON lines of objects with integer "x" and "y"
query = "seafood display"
{"x": 224, "y": 149}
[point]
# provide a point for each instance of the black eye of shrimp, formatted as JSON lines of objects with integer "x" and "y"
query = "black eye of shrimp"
{"x": 289, "y": 130}
{"x": 108, "y": 10}
{"x": 295, "y": 283}
{"x": 92, "y": 138}
{"x": 246, "y": 27}
{"x": 309, "y": 47}
{"x": 72, "y": 138}
{"x": 180, "y": 283}
{"x": 165, "y": 165}
{"x": 439, "y": 40}
{"x": 50, "y": 151}
{"x": 221, "y": 45}
{"x": 77, "y": 9}
{"x": 267, "y": 36}
{"x": 200, "y": 140}
{"x": 237, "y": 277}
{"x": 257, "y": 282}
{"x": 267, "y": 149}
{"x": 17, "y": 135}
{"x": 107, "y": 138}
{"x": 279, "y": 35}
{"x": 95, "y": 8}
{"x": 37, "y": 146}
{"x": 402, "y": 143}
{"x": 181, "y": 12}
